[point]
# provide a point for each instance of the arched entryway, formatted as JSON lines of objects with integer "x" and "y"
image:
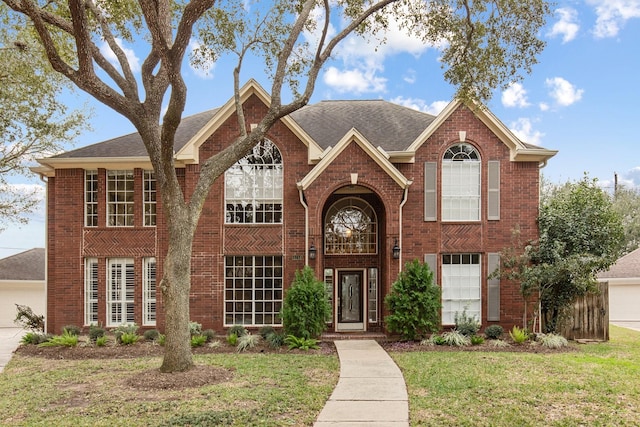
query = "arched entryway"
{"x": 352, "y": 248}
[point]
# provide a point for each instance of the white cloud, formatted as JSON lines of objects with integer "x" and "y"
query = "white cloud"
{"x": 515, "y": 96}
{"x": 419, "y": 104}
{"x": 134, "y": 62}
{"x": 630, "y": 178}
{"x": 365, "y": 57}
{"x": 543, "y": 106}
{"x": 354, "y": 80}
{"x": 410, "y": 76}
{"x": 523, "y": 129}
{"x": 563, "y": 92}
{"x": 612, "y": 15}
{"x": 204, "y": 68}
{"x": 567, "y": 25}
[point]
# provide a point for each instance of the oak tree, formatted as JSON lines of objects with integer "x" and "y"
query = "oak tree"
{"x": 485, "y": 45}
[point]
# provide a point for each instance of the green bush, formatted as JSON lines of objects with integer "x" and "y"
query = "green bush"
{"x": 466, "y": 325}
{"x": 125, "y": 328}
{"x": 266, "y": 330}
{"x": 128, "y": 338}
{"x": 151, "y": 335}
{"x": 65, "y": 340}
{"x": 414, "y": 302}
{"x": 518, "y": 335}
{"x": 195, "y": 328}
{"x": 95, "y": 332}
{"x": 301, "y": 342}
{"x": 237, "y": 330}
{"x": 101, "y": 341}
{"x": 27, "y": 319}
{"x": 35, "y": 338}
{"x": 275, "y": 339}
{"x": 477, "y": 339}
{"x": 232, "y": 339}
{"x": 210, "y": 334}
{"x": 198, "y": 340}
{"x": 72, "y": 329}
{"x": 161, "y": 339}
{"x": 246, "y": 342}
{"x": 493, "y": 332}
{"x": 305, "y": 307}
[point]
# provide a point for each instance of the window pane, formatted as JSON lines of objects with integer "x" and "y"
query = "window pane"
{"x": 461, "y": 283}
{"x": 351, "y": 228}
{"x": 461, "y": 184}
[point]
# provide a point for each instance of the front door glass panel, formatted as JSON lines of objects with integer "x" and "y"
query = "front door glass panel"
{"x": 350, "y": 309}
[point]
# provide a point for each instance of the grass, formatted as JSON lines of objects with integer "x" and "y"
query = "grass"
{"x": 596, "y": 386}
{"x": 266, "y": 390}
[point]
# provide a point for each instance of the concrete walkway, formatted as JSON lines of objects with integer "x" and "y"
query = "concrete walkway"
{"x": 370, "y": 392}
{"x": 9, "y": 340}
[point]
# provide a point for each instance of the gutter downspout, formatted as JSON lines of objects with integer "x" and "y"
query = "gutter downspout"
{"x": 46, "y": 250}
{"x": 306, "y": 224}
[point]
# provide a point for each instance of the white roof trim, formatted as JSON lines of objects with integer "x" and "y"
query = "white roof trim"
{"x": 519, "y": 152}
{"x": 356, "y": 137}
{"x": 190, "y": 152}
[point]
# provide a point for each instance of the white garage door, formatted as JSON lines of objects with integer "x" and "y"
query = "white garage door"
{"x": 29, "y": 293}
{"x": 624, "y": 302}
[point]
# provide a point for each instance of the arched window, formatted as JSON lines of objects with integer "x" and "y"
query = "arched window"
{"x": 253, "y": 187}
{"x": 351, "y": 227}
{"x": 461, "y": 183}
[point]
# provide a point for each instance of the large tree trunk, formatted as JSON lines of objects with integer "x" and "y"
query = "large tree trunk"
{"x": 175, "y": 287}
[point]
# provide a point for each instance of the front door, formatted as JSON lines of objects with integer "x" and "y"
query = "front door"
{"x": 350, "y": 301}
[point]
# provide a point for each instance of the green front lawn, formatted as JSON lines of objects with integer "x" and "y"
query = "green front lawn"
{"x": 597, "y": 386}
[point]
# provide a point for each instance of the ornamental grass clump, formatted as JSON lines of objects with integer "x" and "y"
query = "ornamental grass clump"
{"x": 552, "y": 340}
{"x": 456, "y": 339}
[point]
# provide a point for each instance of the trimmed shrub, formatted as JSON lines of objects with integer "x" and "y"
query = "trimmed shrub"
{"x": 237, "y": 330}
{"x": 414, "y": 302}
{"x": 95, "y": 332}
{"x": 198, "y": 340}
{"x": 210, "y": 334}
{"x": 151, "y": 335}
{"x": 305, "y": 307}
{"x": 493, "y": 332}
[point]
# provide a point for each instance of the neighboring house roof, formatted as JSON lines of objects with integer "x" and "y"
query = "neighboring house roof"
{"x": 28, "y": 265}
{"x": 625, "y": 267}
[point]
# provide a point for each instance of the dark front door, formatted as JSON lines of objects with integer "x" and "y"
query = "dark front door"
{"x": 350, "y": 292}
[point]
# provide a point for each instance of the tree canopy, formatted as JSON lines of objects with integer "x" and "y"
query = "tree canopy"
{"x": 581, "y": 235}
{"x": 485, "y": 45}
{"x": 33, "y": 120}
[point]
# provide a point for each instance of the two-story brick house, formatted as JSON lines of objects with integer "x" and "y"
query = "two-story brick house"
{"x": 354, "y": 189}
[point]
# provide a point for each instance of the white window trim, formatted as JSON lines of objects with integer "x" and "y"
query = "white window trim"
{"x": 94, "y": 178}
{"x": 148, "y": 176}
{"x": 125, "y": 290}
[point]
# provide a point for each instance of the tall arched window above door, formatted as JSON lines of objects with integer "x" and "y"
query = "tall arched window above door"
{"x": 351, "y": 227}
{"x": 461, "y": 183}
{"x": 253, "y": 187}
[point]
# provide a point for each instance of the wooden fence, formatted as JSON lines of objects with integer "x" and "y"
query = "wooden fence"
{"x": 590, "y": 319}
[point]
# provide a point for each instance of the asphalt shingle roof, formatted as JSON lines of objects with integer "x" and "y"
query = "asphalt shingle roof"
{"x": 627, "y": 266}
{"x": 131, "y": 145}
{"x": 390, "y": 126}
{"x": 28, "y": 265}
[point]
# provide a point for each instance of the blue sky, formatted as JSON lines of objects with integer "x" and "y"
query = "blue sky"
{"x": 580, "y": 99}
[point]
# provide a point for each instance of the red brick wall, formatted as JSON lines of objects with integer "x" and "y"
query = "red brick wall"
{"x": 69, "y": 242}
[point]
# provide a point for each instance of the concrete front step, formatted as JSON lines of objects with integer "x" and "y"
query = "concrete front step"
{"x": 337, "y": 336}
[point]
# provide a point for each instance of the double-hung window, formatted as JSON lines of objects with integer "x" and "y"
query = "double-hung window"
{"x": 461, "y": 281}
{"x": 253, "y": 187}
{"x": 120, "y": 198}
{"x": 120, "y": 291}
{"x": 461, "y": 183}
